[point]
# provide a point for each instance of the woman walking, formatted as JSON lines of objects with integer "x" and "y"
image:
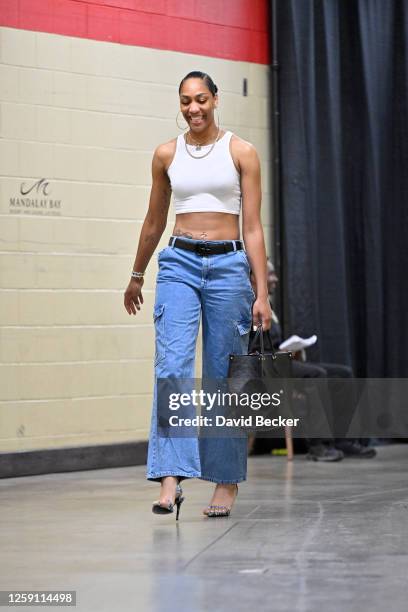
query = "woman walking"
{"x": 203, "y": 272}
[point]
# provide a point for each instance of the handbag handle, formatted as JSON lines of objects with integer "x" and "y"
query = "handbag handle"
{"x": 260, "y": 334}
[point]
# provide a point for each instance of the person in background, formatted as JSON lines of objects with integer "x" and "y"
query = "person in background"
{"x": 318, "y": 449}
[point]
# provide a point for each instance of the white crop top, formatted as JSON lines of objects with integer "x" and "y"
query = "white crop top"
{"x": 210, "y": 184}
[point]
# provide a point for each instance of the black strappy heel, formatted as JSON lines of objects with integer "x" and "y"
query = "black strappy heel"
{"x": 216, "y": 511}
{"x": 162, "y": 508}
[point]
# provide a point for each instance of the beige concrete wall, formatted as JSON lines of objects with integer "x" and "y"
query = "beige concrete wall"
{"x": 85, "y": 116}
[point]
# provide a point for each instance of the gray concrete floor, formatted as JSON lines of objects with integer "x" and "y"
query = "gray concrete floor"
{"x": 302, "y": 537}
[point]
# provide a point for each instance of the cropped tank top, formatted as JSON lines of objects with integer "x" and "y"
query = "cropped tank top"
{"x": 210, "y": 184}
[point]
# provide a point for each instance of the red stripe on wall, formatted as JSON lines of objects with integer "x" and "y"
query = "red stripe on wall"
{"x": 230, "y": 29}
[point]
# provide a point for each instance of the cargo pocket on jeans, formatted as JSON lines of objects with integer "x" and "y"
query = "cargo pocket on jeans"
{"x": 242, "y": 337}
{"x": 160, "y": 333}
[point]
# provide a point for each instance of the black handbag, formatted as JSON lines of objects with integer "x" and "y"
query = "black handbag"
{"x": 261, "y": 370}
{"x": 261, "y": 361}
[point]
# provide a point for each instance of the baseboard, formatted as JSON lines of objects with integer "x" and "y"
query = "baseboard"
{"x": 49, "y": 461}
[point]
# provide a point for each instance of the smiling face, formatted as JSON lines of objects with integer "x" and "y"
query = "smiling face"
{"x": 197, "y": 105}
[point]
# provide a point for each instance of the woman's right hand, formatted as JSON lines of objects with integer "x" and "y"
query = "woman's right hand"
{"x": 133, "y": 295}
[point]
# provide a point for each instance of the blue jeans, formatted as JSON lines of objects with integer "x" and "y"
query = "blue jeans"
{"x": 217, "y": 288}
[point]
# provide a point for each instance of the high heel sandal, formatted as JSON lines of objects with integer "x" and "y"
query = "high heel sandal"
{"x": 215, "y": 511}
{"x": 162, "y": 508}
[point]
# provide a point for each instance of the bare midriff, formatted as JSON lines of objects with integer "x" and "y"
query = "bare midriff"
{"x": 207, "y": 226}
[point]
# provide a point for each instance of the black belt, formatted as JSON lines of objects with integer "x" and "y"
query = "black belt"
{"x": 207, "y": 248}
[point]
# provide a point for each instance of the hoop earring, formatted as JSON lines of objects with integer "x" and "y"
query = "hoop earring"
{"x": 177, "y": 123}
{"x": 218, "y": 117}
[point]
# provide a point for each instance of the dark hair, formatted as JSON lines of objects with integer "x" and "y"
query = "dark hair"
{"x": 197, "y": 74}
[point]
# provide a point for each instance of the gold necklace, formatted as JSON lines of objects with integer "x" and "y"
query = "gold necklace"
{"x": 199, "y": 147}
{"x": 197, "y": 144}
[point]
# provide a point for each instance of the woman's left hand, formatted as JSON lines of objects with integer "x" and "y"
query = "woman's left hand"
{"x": 262, "y": 313}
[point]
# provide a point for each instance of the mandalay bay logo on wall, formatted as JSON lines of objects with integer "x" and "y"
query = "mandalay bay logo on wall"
{"x": 35, "y": 199}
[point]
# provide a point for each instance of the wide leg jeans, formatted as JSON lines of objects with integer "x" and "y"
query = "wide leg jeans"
{"x": 217, "y": 289}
